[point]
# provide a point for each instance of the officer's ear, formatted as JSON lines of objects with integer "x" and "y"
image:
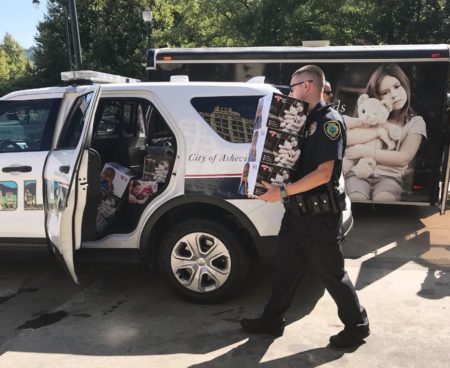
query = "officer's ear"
{"x": 306, "y": 85}
{"x": 309, "y": 84}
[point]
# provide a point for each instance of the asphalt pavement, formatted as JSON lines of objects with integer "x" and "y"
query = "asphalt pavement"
{"x": 123, "y": 316}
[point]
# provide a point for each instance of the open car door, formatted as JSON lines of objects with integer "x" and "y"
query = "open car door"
{"x": 65, "y": 179}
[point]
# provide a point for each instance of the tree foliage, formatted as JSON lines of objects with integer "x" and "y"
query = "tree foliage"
{"x": 412, "y": 21}
{"x": 14, "y": 64}
{"x": 13, "y": 60}
{"x": 4, "y": 65}
{"x": 114, "y": 37}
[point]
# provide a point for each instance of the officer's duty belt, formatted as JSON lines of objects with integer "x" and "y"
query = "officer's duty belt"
{"x": 320, "y": 200}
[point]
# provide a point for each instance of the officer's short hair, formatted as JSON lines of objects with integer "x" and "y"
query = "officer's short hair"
{"x": 317, "y": 75}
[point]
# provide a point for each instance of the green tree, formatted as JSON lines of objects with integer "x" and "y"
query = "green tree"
{"x": 51, "y": 54}
{"x": 14, "y": 56}
{"x": 4, "y": 65}
{"x": 201, "y": 22}
{"x": 112, "y": 33}
{"x": 411, "y": 21}
{"x": 114, "y": 37}
{"x": 14, "y": 65}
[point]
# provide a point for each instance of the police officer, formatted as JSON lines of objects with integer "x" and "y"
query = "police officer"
{"x": 312, "y": 237}
{"x": 327, "y": 92}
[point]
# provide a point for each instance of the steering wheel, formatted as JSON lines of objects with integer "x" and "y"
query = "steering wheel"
{"x": 8, "y": 143}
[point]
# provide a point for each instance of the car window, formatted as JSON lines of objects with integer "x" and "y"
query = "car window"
{"x": 120, "y": 116}
{"x": 231, "y": 117}
{"x": 74, "y": 126}
{"x": 27, "y": 125}
{"x": 107, "y": 120}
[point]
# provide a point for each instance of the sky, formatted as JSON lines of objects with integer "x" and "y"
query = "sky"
{"x": 20, "y": 19}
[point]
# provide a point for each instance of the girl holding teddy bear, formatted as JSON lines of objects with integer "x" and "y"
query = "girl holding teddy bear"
{"x": 391, "y": 86}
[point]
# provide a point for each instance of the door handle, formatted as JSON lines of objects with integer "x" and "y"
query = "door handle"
{"x": 16, "y": 169}
{"x": 64, "y": 169}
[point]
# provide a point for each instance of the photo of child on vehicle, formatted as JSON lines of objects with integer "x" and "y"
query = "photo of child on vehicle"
{"x": 384, "y": 137}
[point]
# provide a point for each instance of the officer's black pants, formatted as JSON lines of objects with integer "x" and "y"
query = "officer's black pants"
{"x": 317, "y": 240}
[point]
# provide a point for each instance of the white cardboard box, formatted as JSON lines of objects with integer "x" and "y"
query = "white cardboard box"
{"x": 281, "y": 113}
{"x": 259, "y": 172}
{"x": 274, "y": 150}
{"x": 115, "y": 178}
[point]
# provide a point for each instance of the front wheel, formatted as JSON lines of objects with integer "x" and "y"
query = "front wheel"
{"x": 203, "y": 261}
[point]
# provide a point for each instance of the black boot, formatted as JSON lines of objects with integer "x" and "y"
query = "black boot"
{"x": 350, "y": 337}
{"x": 263, "y": 326}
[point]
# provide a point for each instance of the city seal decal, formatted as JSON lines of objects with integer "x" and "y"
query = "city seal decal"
{"x": 332, "y": 129}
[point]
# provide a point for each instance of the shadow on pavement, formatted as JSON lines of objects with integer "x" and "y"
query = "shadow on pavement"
{"x": 436, "y": 284}
{"x": 250, "y": 354}
{"x": 393, "y": 236}
{"x": 124, "y": 310}
{"x": 376, "y": 227}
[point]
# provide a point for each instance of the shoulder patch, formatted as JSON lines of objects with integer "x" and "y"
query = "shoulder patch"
{"x": 332, "y": 129}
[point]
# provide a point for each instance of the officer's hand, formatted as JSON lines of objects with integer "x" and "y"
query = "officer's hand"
{"x": 272, "y": 194}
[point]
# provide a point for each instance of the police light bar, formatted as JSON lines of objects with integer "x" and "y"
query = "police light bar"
{"x": 179, "y": 78}
{"x": 95, "y": 77}
{"x": 258, "y": 79}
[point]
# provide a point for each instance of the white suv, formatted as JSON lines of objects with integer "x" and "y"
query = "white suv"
{"x": 192, "y": 223}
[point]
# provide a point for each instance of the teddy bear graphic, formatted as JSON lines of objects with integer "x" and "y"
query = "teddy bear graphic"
{"x": 372, "y": 113}
{"x": 293, "y": 119}
{"x": 288, "y": 152}
{"x": 161, "y": 171}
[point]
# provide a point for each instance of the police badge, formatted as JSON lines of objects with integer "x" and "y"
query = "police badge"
{"x": 312, "y": 128}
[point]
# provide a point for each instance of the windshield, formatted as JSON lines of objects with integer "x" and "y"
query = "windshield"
{"x": 27, "y": 125}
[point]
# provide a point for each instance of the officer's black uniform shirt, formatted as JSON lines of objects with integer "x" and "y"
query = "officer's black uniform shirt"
{"x": 323, "y": 140}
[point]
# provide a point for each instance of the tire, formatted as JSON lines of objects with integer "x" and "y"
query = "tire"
{"x": 203, "y": 261}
